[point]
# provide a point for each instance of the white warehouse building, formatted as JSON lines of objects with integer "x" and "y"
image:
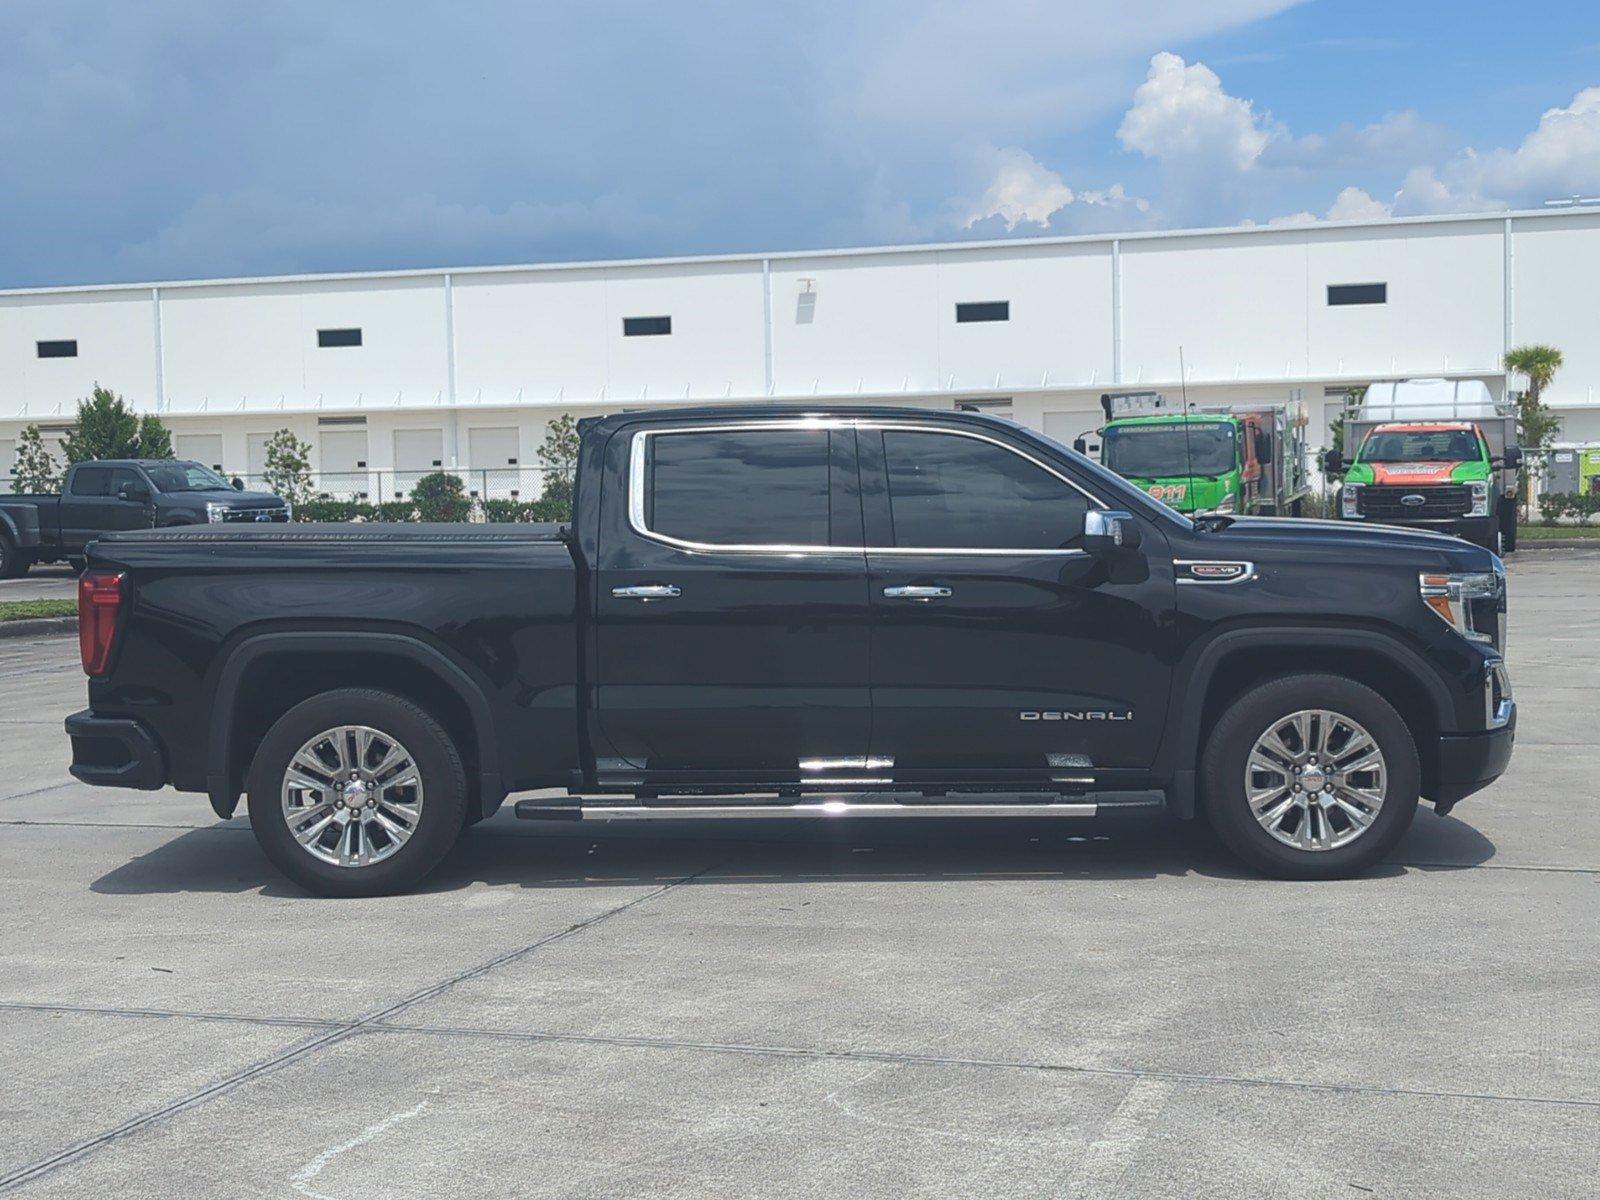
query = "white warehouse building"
{"x": 398, "y": 371}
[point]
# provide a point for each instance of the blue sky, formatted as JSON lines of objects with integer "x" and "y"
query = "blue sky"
{"x": 185, "y": 138}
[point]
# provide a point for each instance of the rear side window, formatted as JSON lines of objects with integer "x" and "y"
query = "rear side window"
{"x": 91, "y": 481}
{"x": 952, "y": 492}
{"x": 738, "y": 487}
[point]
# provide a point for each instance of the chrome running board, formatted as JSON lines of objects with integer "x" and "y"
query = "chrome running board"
{"x": 542, "y": 810}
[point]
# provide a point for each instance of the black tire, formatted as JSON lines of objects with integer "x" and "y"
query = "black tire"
{"x": 1508, "y": 527}
{"x": 438, "y": 762}
{"x": 78, "y": 565}
{"x": 13, "y": 562}
{"x": 1233, "y": 737}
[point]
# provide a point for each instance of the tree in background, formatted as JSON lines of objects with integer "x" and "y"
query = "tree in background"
{"x": 36, "y": 470}
{"x": 288, "y": 468}
{"x": 559, "y": 456}
{"x": 155, "y": 439}
{"x": 107, "y": 427}
{"x": 440, "y": 496}
{"x": 1537, "y": 423}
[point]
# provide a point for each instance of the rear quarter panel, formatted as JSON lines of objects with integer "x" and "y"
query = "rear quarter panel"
{"x": 505, "y": 613}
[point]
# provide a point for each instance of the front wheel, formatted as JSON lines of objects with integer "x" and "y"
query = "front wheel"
{"x": 357, "y": 792}
{"x": 1310, "y": 777}
{"x": 1508, "y": 527}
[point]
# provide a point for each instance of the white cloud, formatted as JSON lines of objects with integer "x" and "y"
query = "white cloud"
{"x": 1353, "y": 204}
{"x": 1025, "y": 191}
{"x": 1181, "y": 114}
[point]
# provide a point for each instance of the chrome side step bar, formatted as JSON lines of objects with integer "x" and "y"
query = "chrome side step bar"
{"x": 542, "y": 810}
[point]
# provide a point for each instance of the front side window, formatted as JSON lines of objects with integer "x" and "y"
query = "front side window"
{"x": 1158, "y": 451}
{"x": 748, "y": 487}
{"x": 952, "y": 492}
{"x": 186, "y": 477}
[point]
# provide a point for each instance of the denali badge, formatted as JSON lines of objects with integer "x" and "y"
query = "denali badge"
{"x": 1080, "y": 714}
{"x": 1412, "y": 500}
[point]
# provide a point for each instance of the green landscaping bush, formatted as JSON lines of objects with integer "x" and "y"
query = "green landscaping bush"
{"x": 441, "y": 497}
{"x": 325, "y": 508}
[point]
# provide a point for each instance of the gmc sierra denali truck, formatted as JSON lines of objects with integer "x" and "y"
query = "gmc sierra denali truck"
{"x": 120, "y": 493}
{"x": 762, "y": 612}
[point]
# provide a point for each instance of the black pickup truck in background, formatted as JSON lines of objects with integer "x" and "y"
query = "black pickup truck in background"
{"x": 760, "y": 612}
{"x": 107, "y": 495}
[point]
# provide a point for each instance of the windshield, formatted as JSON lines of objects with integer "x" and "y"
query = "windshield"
{"x": 1412, "y": 445}
{"x": 1162, "y": 451}
{"x": 186, "y": 477}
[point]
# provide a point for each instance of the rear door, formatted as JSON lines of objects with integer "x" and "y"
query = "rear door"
{"x": 731, "y": 603}
{"x": 84, "y": 504}
{"x": 999, "y": 647}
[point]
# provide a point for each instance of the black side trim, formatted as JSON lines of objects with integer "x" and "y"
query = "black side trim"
{"x": 115, "y": 752}
{"x": 223, "y": 789}
{"x": 1186, "y": 706}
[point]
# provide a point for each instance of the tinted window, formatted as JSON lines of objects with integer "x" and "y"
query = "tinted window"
{"x": 750, "y": 488}
{"x": 1439, "y": 445}
{"x": 172, "y": 477}
{"x": 91, "y": 481}
{"x": 67, "y": 349}
{"x": 121, "y": 476}
{"x": 962, "y": 493}
{"x": 1358, "y": 293}
{"x": 1157, "y": 451}
{"x": 646, "y": 326}
{"x": 338, "y": 337}
{"x": 988, "y": 310}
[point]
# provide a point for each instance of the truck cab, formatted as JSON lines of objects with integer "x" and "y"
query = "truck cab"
{"x": 1453, "y": 474}
{"x": 1247, "y": 459}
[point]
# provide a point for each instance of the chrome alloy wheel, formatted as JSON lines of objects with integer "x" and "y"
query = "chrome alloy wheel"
{"x": 1316, "y": 780}
{"x": 352, "y": 796}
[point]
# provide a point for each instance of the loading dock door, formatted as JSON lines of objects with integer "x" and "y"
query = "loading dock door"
{"x": 203, "y": 448}
{"x": 344, "y": 463}
{"x": 495, "y": 468}
{"x": 417, "y": 452}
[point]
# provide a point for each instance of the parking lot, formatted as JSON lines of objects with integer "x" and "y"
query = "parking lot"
{"x": 1038, "y": 1008}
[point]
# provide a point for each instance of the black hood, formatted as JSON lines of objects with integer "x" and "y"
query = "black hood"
{"x": 235, "y": 499}
{"x": 1283, "y": 539}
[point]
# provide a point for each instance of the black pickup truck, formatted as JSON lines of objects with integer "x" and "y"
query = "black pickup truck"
{"x": 762, "y": 612}
{"x": 105, "y": 495}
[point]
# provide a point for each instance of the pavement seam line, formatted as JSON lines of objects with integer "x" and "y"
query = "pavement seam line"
{"x": 897, "y": 1058}
{"x": 60, "y": 1158}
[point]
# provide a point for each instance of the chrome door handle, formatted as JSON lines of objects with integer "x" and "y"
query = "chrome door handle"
{"x": 647, "y": 591}
{"x": 920, "y": 594}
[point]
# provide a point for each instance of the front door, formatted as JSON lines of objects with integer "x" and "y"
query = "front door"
{"x": 731, "y": 603}
{"x": 1000, "y": 648}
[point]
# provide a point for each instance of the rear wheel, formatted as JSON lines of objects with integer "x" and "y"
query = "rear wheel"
{"x": 1310, "y": 777}
{"x": 357, "y": 793}
{"x": 13, "y": 561}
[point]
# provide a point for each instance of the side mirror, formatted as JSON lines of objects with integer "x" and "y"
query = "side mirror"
{"x": 1513, "y": 458}
{"x": 1081, "y": 446}
{"x": 135, "y": 493}
{"x": 1332, "y": 462}
{"x": 1108, "y": 529}
{"x": 238, "y": 484}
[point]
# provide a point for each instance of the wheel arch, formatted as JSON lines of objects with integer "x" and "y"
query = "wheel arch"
{"x": 1236, "y": 660}
{"x": 267, "y": 674}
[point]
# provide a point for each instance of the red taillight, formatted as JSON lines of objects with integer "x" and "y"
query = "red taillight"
{"x": 99, "y": 600}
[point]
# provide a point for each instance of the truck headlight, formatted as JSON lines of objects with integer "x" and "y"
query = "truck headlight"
{"x": 1228, "y": 504}
{"x": 1350, "y": 500}
{"x": 1480, "y": 499}
{"x": 216, "y": 512}
{"x": 288, "y": 511}
{"x": 1454, "y": 597}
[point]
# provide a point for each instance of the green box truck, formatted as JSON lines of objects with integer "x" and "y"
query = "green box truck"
{"x": 1247, "y": 458}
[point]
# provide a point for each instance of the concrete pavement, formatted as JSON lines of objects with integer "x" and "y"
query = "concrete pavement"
{"x": 871, "y": 1009}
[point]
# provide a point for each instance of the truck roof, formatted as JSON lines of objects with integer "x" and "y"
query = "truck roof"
{"x": 1176, "y": 419}
{"x": 1427, "y": 426}
{"x": 757, "y": 412}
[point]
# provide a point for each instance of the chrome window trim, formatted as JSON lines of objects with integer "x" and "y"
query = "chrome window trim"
{"x": 637, "y": 451}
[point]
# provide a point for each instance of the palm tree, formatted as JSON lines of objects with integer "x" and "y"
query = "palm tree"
{"x": 1538, "y": 363}
{"x": 1537, "y": 425}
